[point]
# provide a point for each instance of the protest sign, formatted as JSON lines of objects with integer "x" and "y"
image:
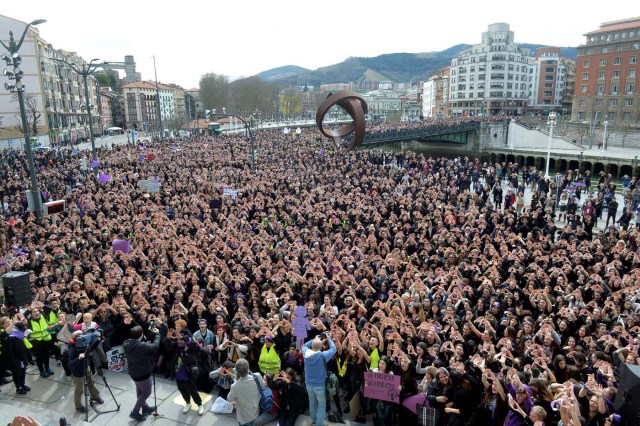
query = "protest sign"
{"x": 151, "y": 186}
{"x": 116, "y": 359}
{"x": 230, "y": 192}
{"x": 382, "y": 386}
{"x": 121, "y": 245}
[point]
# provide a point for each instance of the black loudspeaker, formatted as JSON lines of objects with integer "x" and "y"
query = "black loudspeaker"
{"x": 627, "y": 402}
{"x": 17, "y": 288}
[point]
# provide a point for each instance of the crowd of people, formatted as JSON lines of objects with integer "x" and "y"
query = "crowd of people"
{"x": 498, "y": 313}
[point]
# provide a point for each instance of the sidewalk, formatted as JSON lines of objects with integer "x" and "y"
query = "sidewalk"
{"x": 52, "y": 398}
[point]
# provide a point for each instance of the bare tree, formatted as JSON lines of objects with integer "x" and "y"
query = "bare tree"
{"x": 32, "y": 111}
{"x": 215, "y": 91}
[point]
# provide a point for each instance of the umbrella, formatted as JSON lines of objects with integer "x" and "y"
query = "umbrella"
{"x": 411, "y": 402}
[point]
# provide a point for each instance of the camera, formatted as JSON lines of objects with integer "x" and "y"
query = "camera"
{"x": 323, "y": 335}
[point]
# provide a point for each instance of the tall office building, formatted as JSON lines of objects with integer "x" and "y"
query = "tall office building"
{"x": 492, "y": 78}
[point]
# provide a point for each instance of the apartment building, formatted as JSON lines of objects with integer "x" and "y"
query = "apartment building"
{"x": 492, "y": 78}
{"x": 435, "y": 94}
{"x": 141, "y": 104}
{"x": 606, "y": 87}
{"x": 550, "y": 75}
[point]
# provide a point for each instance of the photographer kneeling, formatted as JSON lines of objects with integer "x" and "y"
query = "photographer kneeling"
{"x": 80, "y": 346}
{"x": 141, "y": 361}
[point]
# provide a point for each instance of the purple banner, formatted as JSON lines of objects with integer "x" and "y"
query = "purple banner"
{"x": 385, "y": 387}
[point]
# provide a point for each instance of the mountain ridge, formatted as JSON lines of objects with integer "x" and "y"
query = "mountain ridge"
{"x": 396, "y": 67}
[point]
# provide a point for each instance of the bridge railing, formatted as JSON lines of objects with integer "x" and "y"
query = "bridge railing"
{"x": 408, "y": 134}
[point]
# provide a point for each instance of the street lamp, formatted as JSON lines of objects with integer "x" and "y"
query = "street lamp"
{"x": 85, "y": 71}
{"x": 158, "y": 98}
{"x": 604, "y": 136}
{"x": 551, "y": 122}
{"x": 14, "y": 59}
{"x": 247, "y": 128}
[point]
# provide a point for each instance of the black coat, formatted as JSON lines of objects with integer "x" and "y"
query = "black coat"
{"x": 76, "y": 365}
{"x": 15, "y": 352}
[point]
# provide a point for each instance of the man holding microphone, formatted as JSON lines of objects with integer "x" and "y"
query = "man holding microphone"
{"x": 315, "y": 375}
{"x": 141, "y": 361}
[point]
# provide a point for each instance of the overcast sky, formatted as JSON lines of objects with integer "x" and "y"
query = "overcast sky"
{"x": 242, "y": 38}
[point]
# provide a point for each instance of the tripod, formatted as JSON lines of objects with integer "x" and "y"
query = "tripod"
{"x": 91, "y": 358}
{"x": 155, "y": 413}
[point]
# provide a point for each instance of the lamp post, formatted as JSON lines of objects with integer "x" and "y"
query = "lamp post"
{"x": 158, "y": 98}
{"x": 551, "y": 122}
{"x": 247, "y": 127}
{"x": 86, "y": 71}
{"x": 14, "y": 59}
{"x": 604, "y": 136}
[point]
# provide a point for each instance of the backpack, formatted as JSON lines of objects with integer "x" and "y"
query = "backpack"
{"x": 266, "y": 397}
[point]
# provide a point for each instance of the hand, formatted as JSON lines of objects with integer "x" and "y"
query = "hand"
{"x": 24, "y": 421}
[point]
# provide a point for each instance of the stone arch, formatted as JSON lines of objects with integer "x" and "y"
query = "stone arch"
{"x": 520, "y": 160}
{"x": 574, "y": 164}
{"x": 494, "y": 158}
{"x": 626, "y": 170}
{"x": 586, "y": 165}
{"x": 613, "y": 169}
{"x": 510, "y": 158}
{"x": 501, "y": 158}
{"x": 540, "y": 161}
{"x": 597, "y": 168}
{"x": 530, "y": 161}
{"x": 562, "y": 165}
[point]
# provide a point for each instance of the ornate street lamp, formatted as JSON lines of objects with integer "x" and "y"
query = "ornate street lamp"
{"x": 14, "y": 60}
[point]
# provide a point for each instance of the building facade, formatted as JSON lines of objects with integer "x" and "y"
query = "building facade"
{"x": 435, "y": 94}
{"x": 606, "y": 87}
{"x": 492, "y": 78}
{"x": 548, "y": 81}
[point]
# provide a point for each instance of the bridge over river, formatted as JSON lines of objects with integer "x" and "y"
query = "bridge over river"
{"x": 512, "y": 142}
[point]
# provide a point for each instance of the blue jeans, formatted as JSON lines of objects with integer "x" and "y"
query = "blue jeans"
{"x": 317, "y": 404}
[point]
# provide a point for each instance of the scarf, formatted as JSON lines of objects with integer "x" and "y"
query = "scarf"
{"x": 18, "y": 334}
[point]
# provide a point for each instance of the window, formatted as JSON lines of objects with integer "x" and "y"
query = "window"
{"x": 550, "y": 77}
{"x": 630, "y": 88}
{"x": 617, "y": 61}
{"x": 600, "y": 89}
{"x": 626, "y": 116}
{"x": 613, "y": 102}
{"x": 583, "y": 88}
{"x": 585, "y": 76}
{"x": 583, "y": 103}
{"x": 599, "y": 102}
{"x": 548, "y": 85}
{"x": 600, "y": 75}
{"x": 612, "y": 116}
{"x": 548, "y": 93}
{"x": 631, "y": 72}
{"x": 605, "y": 49}
{"x": 603, "y": 62}
{"x": 628, "y": 102}
{"x": 549, "y": 69}
{"x": 633, "y": 59}
{"x": 586, "y": 64}
{"x": 635, "y": 46}
{"x": 615, "y": 73}
{"x": 614, "y": 88}
{"x": 581, "y": 116}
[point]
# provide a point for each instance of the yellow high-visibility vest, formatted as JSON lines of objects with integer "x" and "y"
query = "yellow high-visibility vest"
{"x": 269, "y": 361}
{"x": 40, "y": 329}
